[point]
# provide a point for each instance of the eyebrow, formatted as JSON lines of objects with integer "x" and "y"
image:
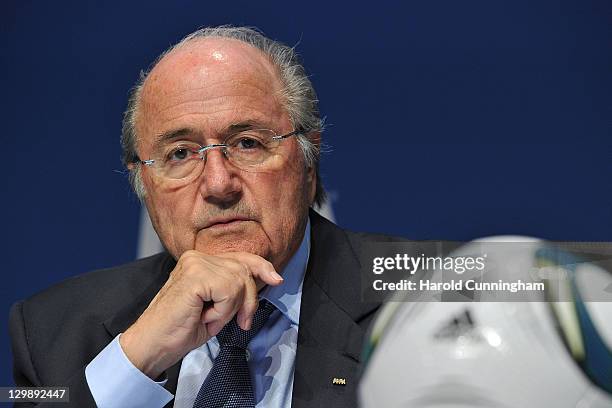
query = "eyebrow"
{"x": 244, "y": 125}
{"x": 176, "y": 134}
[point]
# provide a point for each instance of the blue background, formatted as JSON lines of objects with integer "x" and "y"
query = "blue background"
{"x": 447, "y": 119}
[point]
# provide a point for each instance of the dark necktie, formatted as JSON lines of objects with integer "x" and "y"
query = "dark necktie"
{"x": 228, "y": 383}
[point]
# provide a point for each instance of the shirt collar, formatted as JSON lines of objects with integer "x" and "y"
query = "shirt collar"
{"x": 287, "y": 296}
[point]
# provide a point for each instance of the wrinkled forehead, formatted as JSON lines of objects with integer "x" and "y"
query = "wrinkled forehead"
{"x": 204, "y": 62}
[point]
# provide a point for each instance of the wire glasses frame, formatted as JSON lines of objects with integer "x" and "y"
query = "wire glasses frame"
{"x": 246, "y": 150}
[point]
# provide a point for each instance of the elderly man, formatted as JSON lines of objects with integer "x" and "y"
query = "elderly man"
{"x": 256, "y": 301}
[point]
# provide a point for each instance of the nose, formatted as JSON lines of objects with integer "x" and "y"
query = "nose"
{"x": 219, "y": 184}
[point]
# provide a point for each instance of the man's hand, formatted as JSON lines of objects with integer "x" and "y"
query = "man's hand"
{"x": 203, "y": 293}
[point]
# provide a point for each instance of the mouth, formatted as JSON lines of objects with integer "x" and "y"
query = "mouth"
{"x": 226, "y": 222}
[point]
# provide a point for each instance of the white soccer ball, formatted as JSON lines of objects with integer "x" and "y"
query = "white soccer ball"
{"x": 493, "y": 354}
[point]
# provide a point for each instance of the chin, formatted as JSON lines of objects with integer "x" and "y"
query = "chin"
{"x": 235, "y": 241}
{"x": 234, "y": 246}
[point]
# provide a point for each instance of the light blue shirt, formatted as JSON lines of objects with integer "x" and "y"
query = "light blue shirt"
{"x": 115, "y": 382}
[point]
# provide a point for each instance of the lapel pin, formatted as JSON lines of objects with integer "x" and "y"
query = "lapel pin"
{"x": 339, "y": 381}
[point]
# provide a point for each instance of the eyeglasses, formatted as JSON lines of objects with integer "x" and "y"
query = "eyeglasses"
{"x": 247, "y": 150}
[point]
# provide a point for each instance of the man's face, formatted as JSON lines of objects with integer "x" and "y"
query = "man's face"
{"x": 199, "y": 92}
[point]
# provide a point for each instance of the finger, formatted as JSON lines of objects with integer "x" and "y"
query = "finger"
{"x": 214, "y": 328}
{"x": 259, "y": 267}
{"x": 221, "y": 311}
{"x": 244, "y": 318}
{"x": 214, "y": 320}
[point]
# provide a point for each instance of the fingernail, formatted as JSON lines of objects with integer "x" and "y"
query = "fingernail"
{"x": 248, "y": 323}
{"x": 276, "y": 276}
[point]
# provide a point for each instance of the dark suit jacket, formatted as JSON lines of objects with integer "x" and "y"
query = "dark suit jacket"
{"x": 56, "y": 333}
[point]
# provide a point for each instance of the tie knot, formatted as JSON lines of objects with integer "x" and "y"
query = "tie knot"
{"x": 232, "y": 335}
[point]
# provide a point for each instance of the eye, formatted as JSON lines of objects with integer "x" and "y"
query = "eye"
{"x": 179, "y": 154}
{"x": 248, "y": 143}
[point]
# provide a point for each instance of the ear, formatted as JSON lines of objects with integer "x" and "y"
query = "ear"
{"x": 311, "y": 172}
{"x": 311, "y": 180}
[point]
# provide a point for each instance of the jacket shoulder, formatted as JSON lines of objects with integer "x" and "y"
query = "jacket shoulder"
{"x": 57, "y": 331}
{"x": 357, "y": 237}
{"x": 98, "y": 290}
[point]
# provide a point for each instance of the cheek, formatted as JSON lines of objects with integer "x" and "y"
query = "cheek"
{"x": 284, "y": 203}
{"x": 172, "y": 220}
{"x": 281, "y": 192}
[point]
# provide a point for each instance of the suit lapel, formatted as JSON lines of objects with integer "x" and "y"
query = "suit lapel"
{"x": 332, "y": 321}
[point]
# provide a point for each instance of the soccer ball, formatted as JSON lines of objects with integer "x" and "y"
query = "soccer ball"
{"x": 536, "y": 353}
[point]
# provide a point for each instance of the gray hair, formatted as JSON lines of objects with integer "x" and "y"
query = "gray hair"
{"x": 299, "y": 98}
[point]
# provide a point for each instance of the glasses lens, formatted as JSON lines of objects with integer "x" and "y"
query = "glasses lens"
{"x": 251, "y": 147}
{"x": 245, "y": 150}
{"x": 180, "y": 160}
